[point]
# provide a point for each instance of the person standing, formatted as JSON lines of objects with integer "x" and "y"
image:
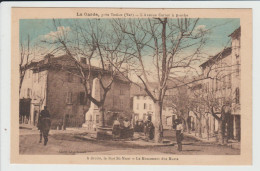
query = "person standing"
{"x": 116, "y": 129}
{"x": 179, "y": 134}
{"x": 44, "y": 124}
{"x": 149, "y": 129}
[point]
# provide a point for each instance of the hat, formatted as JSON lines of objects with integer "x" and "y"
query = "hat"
{"x": 177, "y": 121}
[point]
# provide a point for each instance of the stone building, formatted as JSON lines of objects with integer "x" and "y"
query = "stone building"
{"x": 143, "y": 106}
{"x": 223, "y": 73}
{"x": 219, "y": 82}
{"x": 53, "y": 82}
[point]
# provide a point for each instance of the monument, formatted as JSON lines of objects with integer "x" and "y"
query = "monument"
{"x": 92, "y": 117}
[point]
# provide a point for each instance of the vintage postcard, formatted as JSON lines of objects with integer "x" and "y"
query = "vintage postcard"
{"x": 131, "y": 86}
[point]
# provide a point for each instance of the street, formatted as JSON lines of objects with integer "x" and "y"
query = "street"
{"x": 67, "y": 144}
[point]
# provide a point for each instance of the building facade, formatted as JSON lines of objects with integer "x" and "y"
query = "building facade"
{"x": 143, "y": 106}
{"x": 223, "y": 81}
{"x": 53, "y": 82}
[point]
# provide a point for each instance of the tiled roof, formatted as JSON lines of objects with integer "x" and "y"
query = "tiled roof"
{"x": 224, "y": 53}
{"x": 235, "y": 33}
{"x": 66, "y": 61}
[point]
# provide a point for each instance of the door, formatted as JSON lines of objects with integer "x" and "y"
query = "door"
{"x": 36, "y": 112}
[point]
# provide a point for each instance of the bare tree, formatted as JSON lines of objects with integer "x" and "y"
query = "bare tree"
{"x": 220, "y": 108}
{"x": 171, "y": 44}
{"x": 94, "y": 42}
{"x": 180, "y": 102}
{"x": 24, "y": 60}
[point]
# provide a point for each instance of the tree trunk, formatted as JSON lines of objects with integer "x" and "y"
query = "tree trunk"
{"x": 187, "y": 125}
{"x": 220, "y": 132}
{"x": 102, "y": 112}
{"x": 158, "y": 134}
{"x": 21, "y": 82}
{"x": 208, "y": 127}
{"x": 200, "y": 128}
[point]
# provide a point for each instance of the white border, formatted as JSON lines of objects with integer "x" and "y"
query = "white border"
{"x": 5, "y": 65}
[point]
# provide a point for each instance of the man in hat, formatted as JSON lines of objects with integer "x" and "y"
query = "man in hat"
{"x": 44, "y": 124}
{"x": 149, "y": 129}
{"x": 126, "y": 123}
{"x": 179, "y": 134}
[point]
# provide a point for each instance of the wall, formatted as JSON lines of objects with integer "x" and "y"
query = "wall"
{"x": 58, "y": 88}
{"x": 142, "y": 113}
{"x": 236, "y": 77}
{"x": 34, "y": 87}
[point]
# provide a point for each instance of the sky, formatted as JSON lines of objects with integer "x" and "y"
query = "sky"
{"x": 220, "y": 29}
{"x": 219, "y": 35}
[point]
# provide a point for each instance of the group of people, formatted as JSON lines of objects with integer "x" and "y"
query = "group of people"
{"x": 148, "y": 128}
{"x": 121, "y": 130}
{"x": 118, "y": 129}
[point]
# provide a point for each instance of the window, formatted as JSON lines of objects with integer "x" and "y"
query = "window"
{"x": 137, "y": 106}
{"x": 70, "y": 77}
{"x": 69, "y": 98}
{"x": 121, "y": 104}
{"x": 237, "y": 96}
{"x": 150, "y": 106}
{"x": 217, "y": 84}
{"x": 223, "y": 82}
{"x": 207, "y": 86}
{"x": 97, "y": 118}
{"x": 145, "y": 106}
{"x": 29, "y": 91}
{"x": 82, "y": 99}
{"x": 121, "y": 92}
{"x": 229, "y": 81}
{"x": 212, "y": 85}
{"x": 237, "y": 68}
{"x": 35, "y": 77}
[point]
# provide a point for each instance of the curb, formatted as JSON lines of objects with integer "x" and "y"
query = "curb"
{"x": 199, "y": 139}
{"x": 88, "y": 138}
{"x": 231, "y": 145}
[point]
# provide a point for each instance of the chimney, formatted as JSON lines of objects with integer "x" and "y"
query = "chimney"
{"x": 83, "y": 60}
{"x": 47, "y": 57}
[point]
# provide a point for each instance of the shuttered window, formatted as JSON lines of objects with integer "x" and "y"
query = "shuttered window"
{"x": 69, "y": 98}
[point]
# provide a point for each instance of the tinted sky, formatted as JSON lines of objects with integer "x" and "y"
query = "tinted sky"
{"x": 218, "y": 37}
{"x": 221, "y": 28}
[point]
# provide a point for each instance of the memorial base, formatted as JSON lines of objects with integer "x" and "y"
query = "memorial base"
{"x": 104, "y": 133}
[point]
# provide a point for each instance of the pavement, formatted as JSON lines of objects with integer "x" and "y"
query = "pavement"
{"x": 78, "y": 141}
{"x": 82, "y": 133}
{"x": 137, "y": 141}
{"x": 26, "y": 129}
{"x": 232, "y": 143}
